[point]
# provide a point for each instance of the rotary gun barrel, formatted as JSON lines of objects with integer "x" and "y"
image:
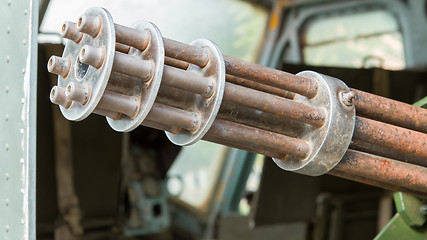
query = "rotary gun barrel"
{"x": 308, "y": 123}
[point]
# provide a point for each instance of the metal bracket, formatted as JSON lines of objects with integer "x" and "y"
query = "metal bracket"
{"x": 409, "y": 221}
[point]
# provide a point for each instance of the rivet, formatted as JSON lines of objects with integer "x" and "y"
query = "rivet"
{"x": 7, "y": 228}
{"x": 22, "y": 100}
{"x": 24, "y": 42}
{"x": 23, "y": 70}
{"x": 7, "y": 202}
{"x": 6, "y": 89}
{"x": 21, "y": 160}
{"x": 7, "y": 176}
{"x": 7, "y": 117}
{"x": 21, "y": 131}
{"x": 25, "y": 12}
{"x": 347, "y": 98}
{"x": 8, "y": 30}
{"x": 22, "y": 190}
{"x": 7, "y": 59}
{"x": 22, "y": 221}
{"x": 7, "y": 147}
{"x": 9, "y": 2}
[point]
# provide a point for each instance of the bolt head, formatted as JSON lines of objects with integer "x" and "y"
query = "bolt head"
{"x": 347, "y": 98}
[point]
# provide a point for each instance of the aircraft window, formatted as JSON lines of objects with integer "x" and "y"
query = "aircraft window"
{"x": 357, "y": 40}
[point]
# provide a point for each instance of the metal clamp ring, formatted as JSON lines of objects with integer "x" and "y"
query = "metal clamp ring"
{"x": 206, "y": 107}
{"x": 95, "y": 78}
{"x": 146, "y": 91}
{"x": 329, "y": 142}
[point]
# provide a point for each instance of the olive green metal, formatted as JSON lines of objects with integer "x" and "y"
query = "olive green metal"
{"x": 409, "y": 208}
{"x": 421, "y": 103}
{"x": 410, "y": 220}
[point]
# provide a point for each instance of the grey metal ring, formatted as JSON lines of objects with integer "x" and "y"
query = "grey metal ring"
{"x": 82, "y": 73}
{"x": 206, "y": 107}
{"x": 329, "y": 142}
{"x": 146, "y": 91}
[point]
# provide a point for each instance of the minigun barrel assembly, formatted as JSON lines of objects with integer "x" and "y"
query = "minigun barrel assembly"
{"x": 308, "y": 123}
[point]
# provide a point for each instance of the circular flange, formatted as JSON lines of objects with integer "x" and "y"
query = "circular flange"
{"x": 85, "y": 74}
{"x": 146, "y": 91}
{"x": 206, "y": 107}
{"x": 329, "y": 142}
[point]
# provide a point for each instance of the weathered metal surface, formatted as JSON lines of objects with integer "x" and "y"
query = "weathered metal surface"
{"x": 260, "y": 87}
{"x": 384, "y": 170}
{"x": 258, "y": 119}
{"x": 137, "y": 38}
{"x": 271, "y": 77}
{"x": 122, "y": 48}
{"x": 273, "y": 104}
{"x": 404, "y": 140}
{"x": 207, "y": 107}
{"x": 243, "y": 146}
{"x": 144, "y": 89}
{"x": 320, "y": 113}
{"x": 390, "y": 111}
{"x": 197, "y": 55}
{"x": 18, "y": 85}
{"x": 260, "y": 139}
{"x": 92, "y": 78}
{"x": 176, "y": 63}
{"x": 373, "y": 181}
{"x": 329, "y": 142}
{"x": 386, "y": 152}
{"x": 174, "y": 117}
{"x": 188, "y": 81}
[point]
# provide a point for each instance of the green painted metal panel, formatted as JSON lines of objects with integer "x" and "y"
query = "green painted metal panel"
{"x": 18, "y": 59}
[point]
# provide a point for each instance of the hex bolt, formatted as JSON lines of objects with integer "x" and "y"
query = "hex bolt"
{"x": 59, "y": 66}
{"x": 93, "y": 56}
{"x": 69, "y": 31}
{"x": 57, "y": 96}
{"x": 78, "y": 92}
{"x": 89, "y": 24}
{"x": 347, "y": 98}
{"x": 132, "y": 65}
{"x": 117, "y": 102}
